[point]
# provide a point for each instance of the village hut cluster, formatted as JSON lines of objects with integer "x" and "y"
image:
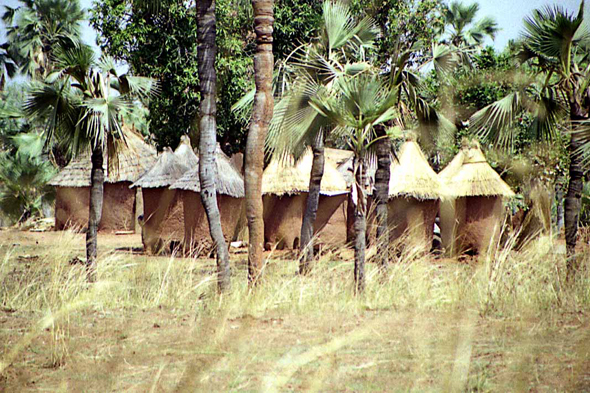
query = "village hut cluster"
{"x": 163, "y": 192}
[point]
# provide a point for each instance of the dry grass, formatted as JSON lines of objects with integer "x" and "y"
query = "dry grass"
{"x": 509, "y": 322}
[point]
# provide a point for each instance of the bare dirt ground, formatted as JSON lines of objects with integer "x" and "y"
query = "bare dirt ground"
{"x": 383, "y": 349}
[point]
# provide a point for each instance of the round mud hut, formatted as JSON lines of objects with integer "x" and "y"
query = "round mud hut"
{"x": 414, "y": 197}
{"x": 230, "y": 200}
{"x": 163, "y": 214}
{"x": 335, "y": 232}
{"x": 284, "y": 194}
{"x": 472, "y": 217}
{"x": 121, "y": 205}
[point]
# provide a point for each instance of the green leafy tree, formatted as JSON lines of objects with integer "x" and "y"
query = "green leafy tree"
{"x": 37, "y": 28}
{"x": 84, "y": 106}
{"x": 161, "y": 42}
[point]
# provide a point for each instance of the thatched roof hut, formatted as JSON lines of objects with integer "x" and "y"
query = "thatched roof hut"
{"x": 230, "y": 200}
{"x": 163, "y": 218}
{"x": 472, "y": 218}
{"x": 120, "y": 205}
{"x": 414, "y": 195}
{"x": 285, "y": 186}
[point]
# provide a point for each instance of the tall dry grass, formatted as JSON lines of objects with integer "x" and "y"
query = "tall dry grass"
{"x": 505, "y": 282}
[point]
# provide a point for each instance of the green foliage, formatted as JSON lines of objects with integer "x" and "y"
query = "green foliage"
{"x": 408, "y": 27}
{"x": 318, "y": 70}
{"x": 463, "y": 28}
{"x": 36, "y": 28}
{"x": 11, "y": 120}
{"x": 162, "y": 43}
{"x": 24, "y": 174}
{"x": 296, "y": 23}
{"x": 86, "y": 102}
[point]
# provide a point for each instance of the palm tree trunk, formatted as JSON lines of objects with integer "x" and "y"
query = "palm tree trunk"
{"x": 573, "y": 197}
{"x": 208, "y": 135}
{"x": 382, "y": 176}
{"x": 261, "y": 115}
{"x": 360, "y": 225}
{"x": 572, "y": 204}
{"x": 349, "y": 220}
{"x": 311, "y": 208}
{"x": 95, "y": 209}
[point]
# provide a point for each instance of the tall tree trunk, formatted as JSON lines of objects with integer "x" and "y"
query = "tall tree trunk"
{"x": 311, "y": 208}
{"x": 572, "y": 201}
{"x": 382, "y": 176}
{"x": 95, "y": 209}
{"x": 360, "y": 225}
{"x": 208, "y": 134}
{"x": 261, "y": 115}
{"x": 350, "y": 219}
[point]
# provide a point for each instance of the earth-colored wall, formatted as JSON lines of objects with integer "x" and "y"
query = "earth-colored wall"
{"x": 118, "y": 210}
{"x": 163, "y": 219}
{"x": 471, "y": 224}
{"x": 413, "y": 221}
{"x": 283, "y": 217}
{"x": 196, "y": 226}
{"x": 334, "y": 231}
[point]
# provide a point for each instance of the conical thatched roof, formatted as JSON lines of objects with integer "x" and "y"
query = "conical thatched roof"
{"x": 229, "y": 180}
{"x": 337, "y": 157}
{"x": 453, "y": 167}
{"x": 283, "y": 177}
{"x": 130, "y": 164}
{"x": 412, "y": 176}
{"x": 170, "y": 166}
{"x": 475, "y": 177}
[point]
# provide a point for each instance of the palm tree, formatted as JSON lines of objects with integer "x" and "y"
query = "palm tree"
{"x": 465, "y": 30}
{"x": 85, "y": 104}
{"x": 557, "y": 94}
{"x": 37, "y": 28}
{"x": 208, "y": 135}
{"x": 261, "y": 115}
{"x": 295, "y": 124}
{"x": 356, "y": 106}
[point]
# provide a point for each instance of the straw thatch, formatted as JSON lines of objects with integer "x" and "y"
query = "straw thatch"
{"x": 412, "y": 176}
{"x": 337, "y": 156}
{"x": 170, "y": 166}
{"x": 228, "y": 180}
{"x": 475, "y": 177}
{"x": 283, "y": 177}
{"x": 130, "y": 163}
{"x": 472, "y": 219}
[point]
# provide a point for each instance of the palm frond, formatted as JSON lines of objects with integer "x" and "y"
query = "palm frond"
{"x": 444, "y": 58}
{"x": 495, "y": 121}
{"x": 551, "y": 31}
{"x": 137, "y": 86}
